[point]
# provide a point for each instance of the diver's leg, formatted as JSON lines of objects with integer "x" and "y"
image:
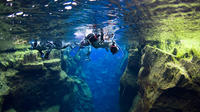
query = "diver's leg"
{"x": 41, "y": 53}
{"x": 47, "y": 53}
{"x": 101, "y": 38}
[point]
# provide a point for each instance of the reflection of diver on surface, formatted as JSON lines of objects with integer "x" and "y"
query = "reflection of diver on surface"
{"x": 48, "y": 45}
{"x": 100, "y": 41}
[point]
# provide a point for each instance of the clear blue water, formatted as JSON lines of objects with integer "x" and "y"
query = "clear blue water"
{"x": 102, "y": 73}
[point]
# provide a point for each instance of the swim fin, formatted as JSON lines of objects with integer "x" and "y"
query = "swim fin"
{"x": 74, "y": 51}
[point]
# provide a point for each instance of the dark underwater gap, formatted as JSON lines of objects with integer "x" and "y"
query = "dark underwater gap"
{"x": 102, "y": 74}
{"x": 29, "y": 87}
{"x": 172, "y": 100}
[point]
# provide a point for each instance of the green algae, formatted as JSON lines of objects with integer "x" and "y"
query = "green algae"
{"x": 11, "y": 110}
{"x": 22, "y": 46}
{"x": 63, "y": 75}
{"x": 172, "y": 24}
{"x": 15, "y": 59}
{"x": 175, "y": 5}
{"x": 178, "y": 33}
{"x": 52, "y": 61}
{"x": 31, "y": 66}
{"x": 10, "y": 72}
{"x": 4, "y": 89}
{"x": 54, "y": 108}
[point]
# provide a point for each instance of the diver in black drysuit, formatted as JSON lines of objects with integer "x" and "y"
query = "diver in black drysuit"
{"x": 48, "y": 45}
{"x": 97, "y": 41}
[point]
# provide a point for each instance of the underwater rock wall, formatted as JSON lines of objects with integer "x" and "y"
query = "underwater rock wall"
{"x": 164, "y": 83}
{"x": 30, "y": 84}
{"x": 128, "y": 85}
{"x": 168, "y": 77}
{"x": 166, "y": 24}
{"x": 167, "y": 83}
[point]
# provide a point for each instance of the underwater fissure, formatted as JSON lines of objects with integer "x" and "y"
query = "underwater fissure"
{"x": 153, "y": 65}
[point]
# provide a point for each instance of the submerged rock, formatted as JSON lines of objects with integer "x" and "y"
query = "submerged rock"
{"x": 128, "y": 81}
{"x": 81, "y": 100}
{"x": 168, "y": 79}
{"x": 167, "y": 84}
{"x": 30, "y": 84}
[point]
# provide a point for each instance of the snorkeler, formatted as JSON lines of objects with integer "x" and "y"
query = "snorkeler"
{"x": 48, "y": 46}
{"x": 99, "y": 41}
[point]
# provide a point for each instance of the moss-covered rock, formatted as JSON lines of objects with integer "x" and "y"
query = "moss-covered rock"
{"x": 171, "y": 24}
{"x": 163, "y": 80}
{"x": 80, "y": 100}
{"x": 29, "y": 83}
{"x": 169, "y": 72}
{"x": 25, "y": 75}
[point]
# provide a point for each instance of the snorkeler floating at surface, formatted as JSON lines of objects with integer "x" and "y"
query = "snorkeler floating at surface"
{"x": 48, "y": 45}
{"x": 100, "y": 41}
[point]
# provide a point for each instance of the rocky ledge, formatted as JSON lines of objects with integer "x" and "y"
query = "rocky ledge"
{"x": 30, "y": 84}
{"x": 166, "y": 83}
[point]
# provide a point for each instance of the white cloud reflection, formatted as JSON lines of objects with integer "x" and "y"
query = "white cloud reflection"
{"x": 67, "y": 3}
{"x": 82, "y": 31}
{"x": 74, "y": 3}
{"x": 11, "y": 16}
{"x": 68, "y": 7}
{"x": 19, "y": 13}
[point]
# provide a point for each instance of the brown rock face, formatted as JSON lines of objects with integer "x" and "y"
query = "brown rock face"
{"x": 166, "y": 84}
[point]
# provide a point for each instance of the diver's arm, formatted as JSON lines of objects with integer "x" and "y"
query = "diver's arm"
{"x": 41, "y": 53}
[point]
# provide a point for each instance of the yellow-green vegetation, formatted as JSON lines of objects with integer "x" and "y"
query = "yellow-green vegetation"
{"x": 181, "y": 33}
{"x": 14, "y": 59}
{"x": 11, "y": 110}
{"x": 52, "y": 61}
{"x": 175, "y": 25}
{"x": 63, "y": 75}
{"x": 170, "y": 5}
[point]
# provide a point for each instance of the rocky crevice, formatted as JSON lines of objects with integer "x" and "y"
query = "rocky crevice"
{"x": 128, "y": 81}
